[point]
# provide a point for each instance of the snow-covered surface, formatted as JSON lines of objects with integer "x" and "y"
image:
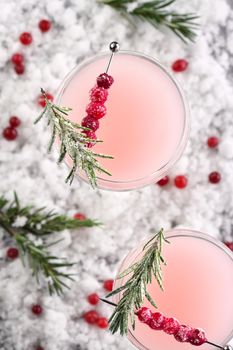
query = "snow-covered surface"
{"x": 82, "y": 28}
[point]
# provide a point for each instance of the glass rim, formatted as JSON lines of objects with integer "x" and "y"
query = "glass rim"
{"x": 103, "y": 183}
{"x": 173, "y": 233}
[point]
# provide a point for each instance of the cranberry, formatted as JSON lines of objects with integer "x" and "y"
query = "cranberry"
{"x": 214, "y": 177}
{"x": 19, "y": 69}
{"x": 39, "y": 348}
{"x": 17, "y": 58}
{"x": 213, "y": 142}
{"x": 91, "y": 316}
{"x": 144, "y": 315}
{"x": 26, "y": 38}
{"x": 108, "y": 285}
{"x": 157, "y": 321}
{"x": 102, "y": 322}
{"x": 164, "y": 181}
{"x": 91, "y": 123}
{"x": 37, "y": 309}
{"x": 12, "y": 253}
{"x": 104, "y": 80}
{"x": 182, "y": 334}
{"x": 171, "y": 325}
{"x": 80, "y": 216}
{"x": 90, "y": 135}
{"x": 14, "y": 121}
{"x": 98, "y": 94}
{"x": 96, "y": 110}
{"x": 41, "y": 100}
{"x": 229, "y": 245}
{"x": 181, "y": 181}
{"x": 10, "y": 133}
{"x": 44, "y": 25}
{"x": 180, "y": 65}
{"x": 93, "y": 299}
{"x": 197, "y": 337}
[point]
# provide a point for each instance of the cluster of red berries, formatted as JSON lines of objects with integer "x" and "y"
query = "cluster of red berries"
{"x": 92, "y": 316}
{"x": 10, "y": 133}
{"x": 26, "y": 39}
{"x": 171, "y": 326}
{"x": 96, "y": 108}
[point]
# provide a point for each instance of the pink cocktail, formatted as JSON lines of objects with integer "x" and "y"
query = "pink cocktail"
{"x": 146, "y": 125}
{"x": 198, "y": 285}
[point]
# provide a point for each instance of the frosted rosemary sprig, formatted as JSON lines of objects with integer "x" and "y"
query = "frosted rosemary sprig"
{"x": 72, "y": 142}
{"x": 30, "y": 237}
{"x": 134, "y": 290}
{"x": 157, "y": 13}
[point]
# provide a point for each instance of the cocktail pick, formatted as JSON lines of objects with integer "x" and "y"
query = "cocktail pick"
{"x": 226, "y": 347}
{"x": 114, "y": 47}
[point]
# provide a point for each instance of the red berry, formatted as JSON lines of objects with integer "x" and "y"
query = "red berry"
{"x": 104, "y": 80}
{"x": 96, "y": 110}
{"x": 181, "y": 181}
{"x": 229, "y": 245}
{"x": 39, "y": 348}
{"x": 102, "y": 322}
{"x": 14, "y": 121}
{"x": 91, "y": 316}
{"x": 93, "y": 299}
{"x": 26, "y": 38}
{"x": 214, "y": 177}
{"x": 213, "y": 142}
{"x": 157, "y": 321}
{"x": 44, "y": 25}
{"x": 144, "y": 315}
{"x": 183, "y": 333}
{"x": 91, "y": 123}
{"x": 37, "y": 309}
{"x": 197, "y": 337}
{"x": 19, "y": 68}
{"x": 180, "y": 65}
{"x": 164, "y": 181}
{"x": 12, "y": 253}
{"x": 108, "y": 285}
{"x": 171, "y": 325}
{"x": 17, "y": 58}
{"x": 80, "y": 216}
{"x": 10, "y": 133}
{"x": 91, "y": 135}
{"x": 98, "y": 94}
{"x": 41, "y": 99}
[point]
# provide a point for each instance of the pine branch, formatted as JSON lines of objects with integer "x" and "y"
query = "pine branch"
{"x": 134, "y": 290}
{"x": 157, "y": 13}
{"x": 30, "y": 233}
{"x": 72, "y": 142}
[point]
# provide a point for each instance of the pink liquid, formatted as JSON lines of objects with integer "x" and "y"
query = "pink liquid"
{"x": 198, "y": 285}
{"x": 145, "y": 117}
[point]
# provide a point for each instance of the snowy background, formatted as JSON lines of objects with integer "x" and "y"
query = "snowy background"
{"x": 82, "y": 28}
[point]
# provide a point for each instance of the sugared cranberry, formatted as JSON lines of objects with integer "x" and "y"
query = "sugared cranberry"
{"x": 171, "y": 325}
{"x": 90, "y": 123}
{"x": 93, "y": 299}
{"x": 9, "y": 133}
{"x": 26, "y": 38}
{"x": 80, "y": 216}
{"x": 180, "y": 65}
{"x": 214, "y": 177}
{"x": 19, "y": 68}
{"x": 164, "y": 181}
{"x": 108, "y": 285}
{"x": 104, "y": 80}
{"x": 99, "y": 94}
{"x": 92, "y": 136}
{"x": 17, "y": 58}
{"x": 12, "y": 253}
{"x": 157, "y": 321}
{"x": 14, "y": 121}
{"x": 213, "y": 142}
{"x": 91, "y": 317}
{"x": 182, "y": 334}
{"x": 37, "y": 309}
{"x": 197, "y": 337}
{"x": 96, "y": 110}
{"x": 41, "y": 99}
{"x": 44, "y": 25}
{"x": 229, "y": 245}
{"x": 144, "y": 315}
{"x": 102, "y": 322}
{"x": 181, "y": 181}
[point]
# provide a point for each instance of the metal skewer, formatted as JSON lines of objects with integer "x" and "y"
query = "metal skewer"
{"x": 114, "y": 47}
{"x": 226, "y": 347}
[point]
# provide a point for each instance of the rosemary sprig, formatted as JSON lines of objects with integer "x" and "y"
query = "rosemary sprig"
{"x": 72, "y": 142}
{"x": 134, "y": 290}
{"x": 157, "y": 13}
{"x": 29, "y": 227}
